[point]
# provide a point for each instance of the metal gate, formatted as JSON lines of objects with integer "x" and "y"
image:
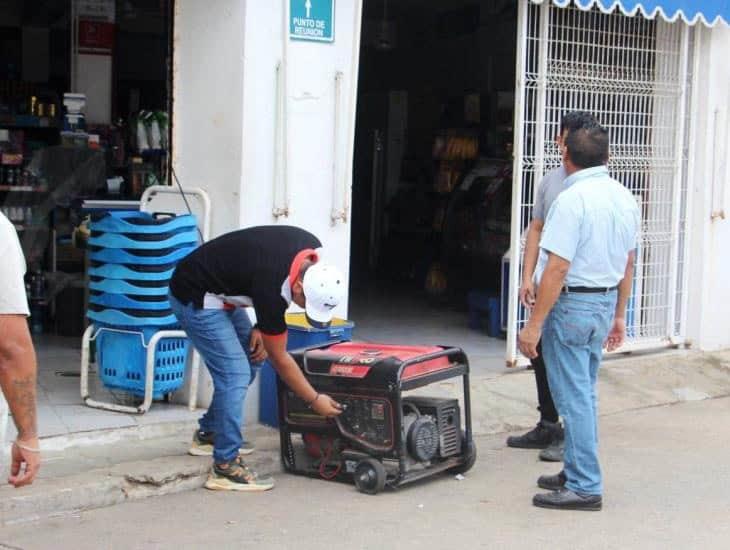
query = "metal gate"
{"x": 633, "y": 74}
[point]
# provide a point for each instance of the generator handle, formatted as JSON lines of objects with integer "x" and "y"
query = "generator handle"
{"x": 446, "y": 352}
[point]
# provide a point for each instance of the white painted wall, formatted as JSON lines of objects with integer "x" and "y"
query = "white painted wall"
{"x": 310, "y": 76}
{"x": 206, "y": 121}
{"x": 709, "y": 259}
{"x": 207, "y": 110}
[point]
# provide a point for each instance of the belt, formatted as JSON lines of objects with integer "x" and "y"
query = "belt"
{"x": 587, "y": 289}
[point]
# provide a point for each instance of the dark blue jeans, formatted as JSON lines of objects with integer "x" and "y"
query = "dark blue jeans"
{"x": 222, "y": 339}
{"x": 572, "y": 344}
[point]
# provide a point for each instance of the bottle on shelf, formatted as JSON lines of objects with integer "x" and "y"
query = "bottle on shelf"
{"x": 37, "y": 296}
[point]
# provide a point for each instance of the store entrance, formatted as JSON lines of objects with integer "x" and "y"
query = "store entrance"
{"x": 83, "y": 127}
{"x": 433, "y": 172}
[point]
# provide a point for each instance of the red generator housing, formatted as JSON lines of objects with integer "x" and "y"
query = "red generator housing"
{"x": 383, "y": 437}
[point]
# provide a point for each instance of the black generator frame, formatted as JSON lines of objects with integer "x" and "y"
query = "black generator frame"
{"x": 385, "y": 381}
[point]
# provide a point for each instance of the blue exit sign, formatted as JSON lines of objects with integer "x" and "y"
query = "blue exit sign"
{"x": 312, "y": 20}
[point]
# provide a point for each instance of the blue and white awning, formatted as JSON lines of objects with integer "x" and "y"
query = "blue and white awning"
{"x": 709, "y": 12}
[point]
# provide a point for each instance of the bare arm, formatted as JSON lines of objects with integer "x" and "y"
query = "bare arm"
{"x": 617, "y": 334}
{"x": 18, "y": 373}
{"x": 18, "y": 382}
{"x": 624, "y": 287}
{"x": 532, "y": 249}
{"x": 292, "y": 376}
{"x": 550, "y": 286}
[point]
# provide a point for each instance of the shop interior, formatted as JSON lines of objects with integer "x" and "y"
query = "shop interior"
{"x": 433, "y": 173}
{"x": 83, "y": 125}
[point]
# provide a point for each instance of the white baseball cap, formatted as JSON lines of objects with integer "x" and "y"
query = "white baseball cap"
{"x": 324, "y": 289}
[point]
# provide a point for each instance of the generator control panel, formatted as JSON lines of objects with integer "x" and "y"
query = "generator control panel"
{"x": 367, "y": 420}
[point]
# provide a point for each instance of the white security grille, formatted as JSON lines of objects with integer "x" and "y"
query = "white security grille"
{"x": 631, "y": 73}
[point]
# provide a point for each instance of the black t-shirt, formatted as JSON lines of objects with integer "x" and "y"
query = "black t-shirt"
{"x": 249, "y": 267}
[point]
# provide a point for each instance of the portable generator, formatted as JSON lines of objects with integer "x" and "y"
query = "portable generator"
{"x": 383, "y": 437}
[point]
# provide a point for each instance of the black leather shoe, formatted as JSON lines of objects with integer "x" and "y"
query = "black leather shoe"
{"x": 565, "y": 499}
{"x": 554, "y": 452}
{"x": 539, "y": 437}
{"x": 552, "y": 483}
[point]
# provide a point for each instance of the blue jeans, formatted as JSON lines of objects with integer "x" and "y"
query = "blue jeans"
{"x": 572, "y": 343}
{"x": 222, "y": 339}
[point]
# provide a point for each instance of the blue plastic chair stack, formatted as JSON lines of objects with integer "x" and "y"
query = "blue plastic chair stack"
{"x": 132, "y": 257}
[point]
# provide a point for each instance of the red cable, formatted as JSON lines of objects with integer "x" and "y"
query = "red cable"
{"x": 323, "y": 464}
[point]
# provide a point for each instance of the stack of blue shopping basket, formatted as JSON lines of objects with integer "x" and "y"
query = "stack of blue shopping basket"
{"x": 132, "y": 257}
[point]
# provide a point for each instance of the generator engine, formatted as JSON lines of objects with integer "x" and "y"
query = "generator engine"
{"x": 432, "y": 428}
{"x": 383, "y": 437}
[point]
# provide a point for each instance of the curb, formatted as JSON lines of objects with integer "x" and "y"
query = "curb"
{"x": 58, "y": 497}
{"x": 95, "y": 438}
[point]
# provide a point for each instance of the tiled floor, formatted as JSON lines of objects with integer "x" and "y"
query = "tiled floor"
{"x": 60, "y": 408}
{"x": 380, "y": 316}
{"x": 390, "y": 316}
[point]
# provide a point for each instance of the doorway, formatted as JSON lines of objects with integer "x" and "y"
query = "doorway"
{"x": 432, "y": 182}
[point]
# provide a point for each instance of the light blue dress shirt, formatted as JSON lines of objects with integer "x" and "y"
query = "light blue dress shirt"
{"x": 594, "y": 224}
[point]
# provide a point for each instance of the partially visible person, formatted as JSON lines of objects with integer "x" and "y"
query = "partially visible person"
{"x": 548, "y": 433}
{"x": 585, "y": 272}
{"x": 17, "y": 358}
{"x": 266, "y": 268}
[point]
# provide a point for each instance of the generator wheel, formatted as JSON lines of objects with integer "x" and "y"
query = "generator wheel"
{"x": 369, "y": 476}
{"x": 469, "y": 452}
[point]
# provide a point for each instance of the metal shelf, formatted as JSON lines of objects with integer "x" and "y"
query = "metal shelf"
{"x": 23, "y": 189}
{"x": 28, "y": 122}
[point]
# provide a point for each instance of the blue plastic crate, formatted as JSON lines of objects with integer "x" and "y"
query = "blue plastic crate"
{"x": 115, "y": 240}
{"x": 115, "y": 286}
{"x": 300, "y": 335}
{"x": 119, "y": 272}
{"x": 122, "y": 256}
{"x": 122, "y": 301}
{"x": 141, "y": 223}
{"x": 120, "y": 318}
{"x": 121, "y": 358}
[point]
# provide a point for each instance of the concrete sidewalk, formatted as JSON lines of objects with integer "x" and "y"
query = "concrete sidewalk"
{"x": 98, "y": 469}
{"x": 666, "y": 481}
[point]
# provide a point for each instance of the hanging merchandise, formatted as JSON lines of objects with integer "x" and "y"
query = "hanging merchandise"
{"x": 436, "y": 283}
{"x": 150, "y": 130}
{"x": 153, "y": 131}
{"x": 456, "y": 147}
{"x": 163, "y": 121}
{"x": 141, "y": 130}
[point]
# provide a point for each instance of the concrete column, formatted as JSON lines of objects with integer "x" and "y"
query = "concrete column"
{"x": 207, "y": 119}
{"x": 709, "y": 184}
{"x": 207, "y": 103}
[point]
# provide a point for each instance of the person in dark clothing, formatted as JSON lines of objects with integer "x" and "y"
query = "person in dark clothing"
{"x": 548, "y": 434}
{"x": 265, "y": 268}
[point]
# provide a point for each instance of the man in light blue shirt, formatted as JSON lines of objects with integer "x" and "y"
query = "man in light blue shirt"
{"x": 548, "y": 434}
{"x": 585, "y": 272}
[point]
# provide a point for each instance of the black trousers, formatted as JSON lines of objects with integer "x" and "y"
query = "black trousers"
{"x": 546, "y": 406}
